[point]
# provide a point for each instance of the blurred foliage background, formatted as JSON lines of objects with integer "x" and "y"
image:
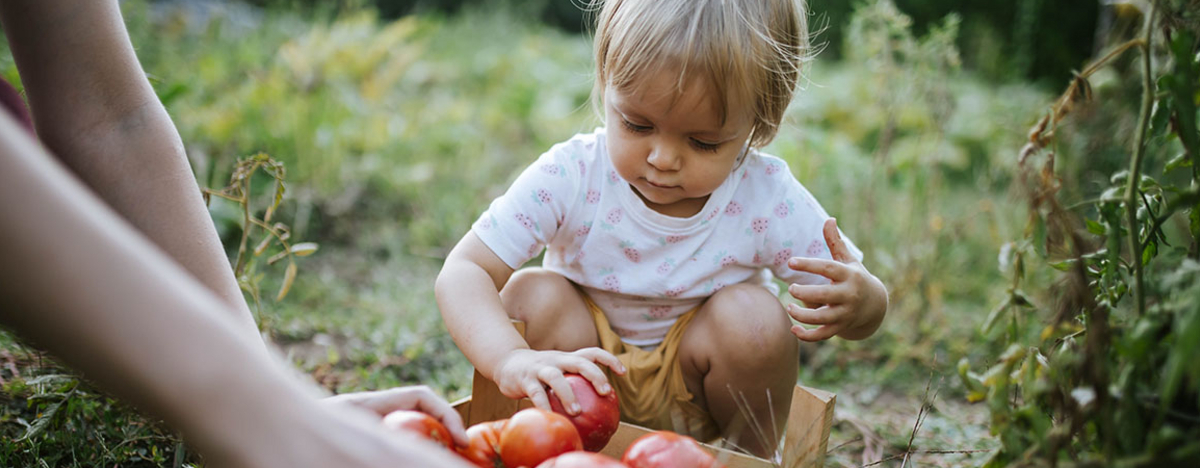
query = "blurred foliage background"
{"x": 398, "y": 121}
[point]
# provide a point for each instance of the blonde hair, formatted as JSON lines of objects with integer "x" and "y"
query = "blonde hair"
{"x": 748, "y": 51}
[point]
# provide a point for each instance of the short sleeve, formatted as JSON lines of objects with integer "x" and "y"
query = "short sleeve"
{"x": 520, "y": 223}
{"x": 802, "y": 234}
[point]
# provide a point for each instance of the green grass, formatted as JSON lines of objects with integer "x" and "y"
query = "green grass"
{"x": 396, "y": 135}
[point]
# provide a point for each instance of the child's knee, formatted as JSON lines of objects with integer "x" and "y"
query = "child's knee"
{"x": 554, "y": 313}
{"x": 754, "y": 330}
{"x": 532, "y": 292}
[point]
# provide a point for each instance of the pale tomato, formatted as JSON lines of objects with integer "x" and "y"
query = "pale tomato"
{"x": 582, "y": 460}
{"x": 665, "y": 449}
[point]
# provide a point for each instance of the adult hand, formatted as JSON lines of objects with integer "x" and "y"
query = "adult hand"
{"x": 851, "y": 306}
{"x": 527, "y": 373}
{"x": 417, "y": 398}
{"x": 331, "y": 435}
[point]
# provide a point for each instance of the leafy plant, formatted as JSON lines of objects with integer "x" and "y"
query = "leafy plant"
{"x": 1102, "y": 367}
{"x": 246, "y": 265}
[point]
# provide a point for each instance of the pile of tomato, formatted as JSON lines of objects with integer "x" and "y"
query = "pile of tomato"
{"x": 535, "y": 438}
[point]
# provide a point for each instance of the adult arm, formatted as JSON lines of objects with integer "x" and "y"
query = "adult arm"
{"x": 95, "y": 110}
{"x": 81, "y": 282}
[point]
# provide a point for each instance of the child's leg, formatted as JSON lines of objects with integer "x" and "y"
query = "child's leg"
{"x": 554, "y": 313}
{"x": 740, "y": 347}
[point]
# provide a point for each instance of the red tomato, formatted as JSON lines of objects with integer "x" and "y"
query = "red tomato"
{"x": 533, "y": 435}
{"x": 665, "y": 449}
{"x": 420, "y": 423}
{"x": 483, "y": 439}
{"x": 599, "y": 418}
{"x": 582, "y": 460}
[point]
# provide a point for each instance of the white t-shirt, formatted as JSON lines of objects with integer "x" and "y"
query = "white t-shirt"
{"x": 644, "y": 268}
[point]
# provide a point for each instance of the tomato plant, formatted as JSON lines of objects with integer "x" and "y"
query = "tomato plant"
{"x": 582, "y": 460}
{"x": 534, "y": 435}
{"x": 483, "y": 439}
{"x": 421, "y": 424}
{"x": 599, "y": 416}
{"x": 665, "y": 449}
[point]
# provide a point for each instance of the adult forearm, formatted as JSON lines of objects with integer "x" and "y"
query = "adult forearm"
{"x": 82, "y": 283}
{"x": 95, "y": 110}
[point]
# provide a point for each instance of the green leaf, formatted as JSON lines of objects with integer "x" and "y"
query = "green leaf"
{"x": 1179, "y": 161}
{"x": 172, "y": 92}
{"x": 51, "y": 379}
{"x": 1096, "y": 228}
{"x": 1064, "y": 265}
{"x": 1020, "y": 299}
{"x": 1118, "y": 178}
{"x": 1160, "y": 118}
{"x": 1187, "y": 330}
{"x": 1183, "y": 89}
{"x": 1194, "y": 217}
{"x": 994, "y": 316}
{"x": 1149, "y": 252}
{"x": 43, "y": 421}
{"x": 304, "y": 249}
{"x": 288, "y": 277}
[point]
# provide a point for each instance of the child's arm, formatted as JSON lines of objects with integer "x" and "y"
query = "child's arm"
{"x": 468, "y": 295}
{"x": 852, "y": 306}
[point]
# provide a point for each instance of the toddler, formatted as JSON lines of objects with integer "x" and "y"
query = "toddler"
{"x": 662, "y": 232}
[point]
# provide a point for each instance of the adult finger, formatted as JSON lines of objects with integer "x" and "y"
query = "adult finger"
{"x": 817, "y": 294}
{"x": 432, "y": 404}
{"x": 553, "y": 378}
{"x": 832, "y": 269}
{"x": 821, "y": 333}
{"x": 837, "y": 247}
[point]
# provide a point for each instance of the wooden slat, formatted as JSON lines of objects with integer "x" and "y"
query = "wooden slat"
{"x": 463, "y": 407}
{"x": 487, "y": 403}
{"x": 809, "y": 421}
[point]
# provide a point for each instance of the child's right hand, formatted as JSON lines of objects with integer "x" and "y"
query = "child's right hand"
{"x": 527, "y": 373}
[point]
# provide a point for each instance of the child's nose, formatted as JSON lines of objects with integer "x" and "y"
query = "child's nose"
{"x": 663, "y": 158}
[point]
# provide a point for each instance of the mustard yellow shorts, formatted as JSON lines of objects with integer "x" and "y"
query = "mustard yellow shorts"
{"x": 652, "y": 393}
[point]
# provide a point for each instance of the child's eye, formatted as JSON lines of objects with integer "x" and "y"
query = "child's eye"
{"x": 702, "y": 146}
{"x": 635, "y": 128}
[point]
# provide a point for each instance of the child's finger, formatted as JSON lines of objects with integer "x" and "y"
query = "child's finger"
{"x": 837, "y": 247}
{"x": 831, "y": 269}
{"x": 821, "y": 333}
{"x": 816, "y": 294}
{"x": 818, "y": 316}
{"x": 603, "y": 357}
{"x": 537, "y": 394}
{"x": 553, "y": 377}
{"x": 596, "y": 376}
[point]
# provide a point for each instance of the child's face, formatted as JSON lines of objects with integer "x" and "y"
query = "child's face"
{"x": 673, "y": 150}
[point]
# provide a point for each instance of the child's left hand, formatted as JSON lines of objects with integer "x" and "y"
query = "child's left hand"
{"x": 852, "y": 306}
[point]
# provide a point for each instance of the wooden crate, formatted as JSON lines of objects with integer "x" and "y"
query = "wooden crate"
{"x": 805, "y": 438}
